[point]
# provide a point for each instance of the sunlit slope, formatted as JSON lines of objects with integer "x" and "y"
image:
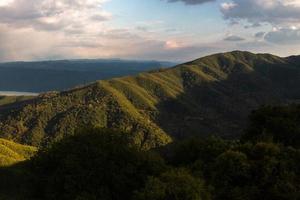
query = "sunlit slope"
{"x": 11, "y": 152}
{"x": 211, "y": 95}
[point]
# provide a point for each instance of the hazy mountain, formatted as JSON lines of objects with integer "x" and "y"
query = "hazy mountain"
{"x": 65, "y": 74}
{"x": 211, "y": 95}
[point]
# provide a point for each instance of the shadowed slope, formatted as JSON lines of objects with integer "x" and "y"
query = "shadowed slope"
{"x": 211, "y": 95}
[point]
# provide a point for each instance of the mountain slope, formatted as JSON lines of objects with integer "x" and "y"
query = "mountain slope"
{"x": 211, "y": 95}
{"x": 11, "y": 152}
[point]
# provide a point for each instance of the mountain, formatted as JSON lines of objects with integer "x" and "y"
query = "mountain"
{"x": 11, "y": 152}
{"x": 64, "y": 74}
{"x": 210, "y": 95}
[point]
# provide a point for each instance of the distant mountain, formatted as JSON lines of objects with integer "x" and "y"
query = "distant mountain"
{"x": 211, "y": 95}
{"x": 65, "y": 74}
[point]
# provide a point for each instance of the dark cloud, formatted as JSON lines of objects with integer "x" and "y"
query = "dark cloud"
{"x": 99, "y": 18}
{"x": 192, "y": 2}
{"x": 284, "y": 36}
{"x": 257, "y": 11}
{"x": 234, "y": 38}
{"x": 260, "y": 34}
{"x": 142, "y": 28}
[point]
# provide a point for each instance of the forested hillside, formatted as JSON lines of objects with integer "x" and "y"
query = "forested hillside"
{"x": 211, "y": 95}
{"x": 106, "y": 164}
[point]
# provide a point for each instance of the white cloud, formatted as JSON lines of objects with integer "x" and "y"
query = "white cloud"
{"x": 42, "y": 29}
{"x": 172, "y": 44}
{"x": 5, "y": 2}
{"x": 52, "y": 14}
{"x": 283, "y": 16}
{"x": 228, "y": 6}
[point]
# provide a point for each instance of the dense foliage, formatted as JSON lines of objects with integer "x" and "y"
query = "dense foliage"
{"x": 240, "y": 171}
{"x": 278, "y": 124}
{"x": 175, "y": 184}
{"x": 108, "y": 165}
{"x": 213, "y": 94}
{"x": 100, "y": 164}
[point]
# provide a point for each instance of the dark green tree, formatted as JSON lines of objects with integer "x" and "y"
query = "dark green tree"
{"x": 95, "y": 164}
{"x": 176, "y": 184}
{"x": 280, "y": 124}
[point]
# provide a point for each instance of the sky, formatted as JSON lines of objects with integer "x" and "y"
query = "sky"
{"x": 170, "y": 30}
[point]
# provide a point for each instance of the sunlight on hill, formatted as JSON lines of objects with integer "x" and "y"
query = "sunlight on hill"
{"x": 214, "y": 94}
{"x": 11, "y": 153}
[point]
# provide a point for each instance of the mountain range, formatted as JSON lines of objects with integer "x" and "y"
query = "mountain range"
{"x": 45, "y": 76}
{"x": 212, "y": 95}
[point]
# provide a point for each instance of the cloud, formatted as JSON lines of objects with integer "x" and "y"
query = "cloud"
{"x": 260, "y": 34}
{"x": 52, "y": 15}
{"x": 255, "y": 12}
{"x": 161, "y": 50}
{"x": 142, "y": 28}
{"x": 26, "y": 44}
{"x": 234, "y": 38}
{"x": 284, "y": 36}
{"x": 192, "y": 2}
{"x": 29, "y": 44}
{"x": 57, "y": 29}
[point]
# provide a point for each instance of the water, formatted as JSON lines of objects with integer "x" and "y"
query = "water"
{"x": 14, "y": 93}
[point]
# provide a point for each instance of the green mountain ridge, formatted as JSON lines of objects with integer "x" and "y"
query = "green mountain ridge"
{"x": 210, "y": 95}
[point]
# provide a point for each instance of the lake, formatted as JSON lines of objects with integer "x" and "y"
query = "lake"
{"x": 14, "y": 93}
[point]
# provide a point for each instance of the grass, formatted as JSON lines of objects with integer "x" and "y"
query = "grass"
{"x": 11, "y": 152}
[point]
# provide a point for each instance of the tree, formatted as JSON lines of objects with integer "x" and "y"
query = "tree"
{"x": 94, "y": 164}
{"x": 280, "y": 124}
{"x": 176, "y": 184}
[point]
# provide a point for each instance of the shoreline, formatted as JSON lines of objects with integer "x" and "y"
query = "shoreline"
{"x": 15, "y": 93}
